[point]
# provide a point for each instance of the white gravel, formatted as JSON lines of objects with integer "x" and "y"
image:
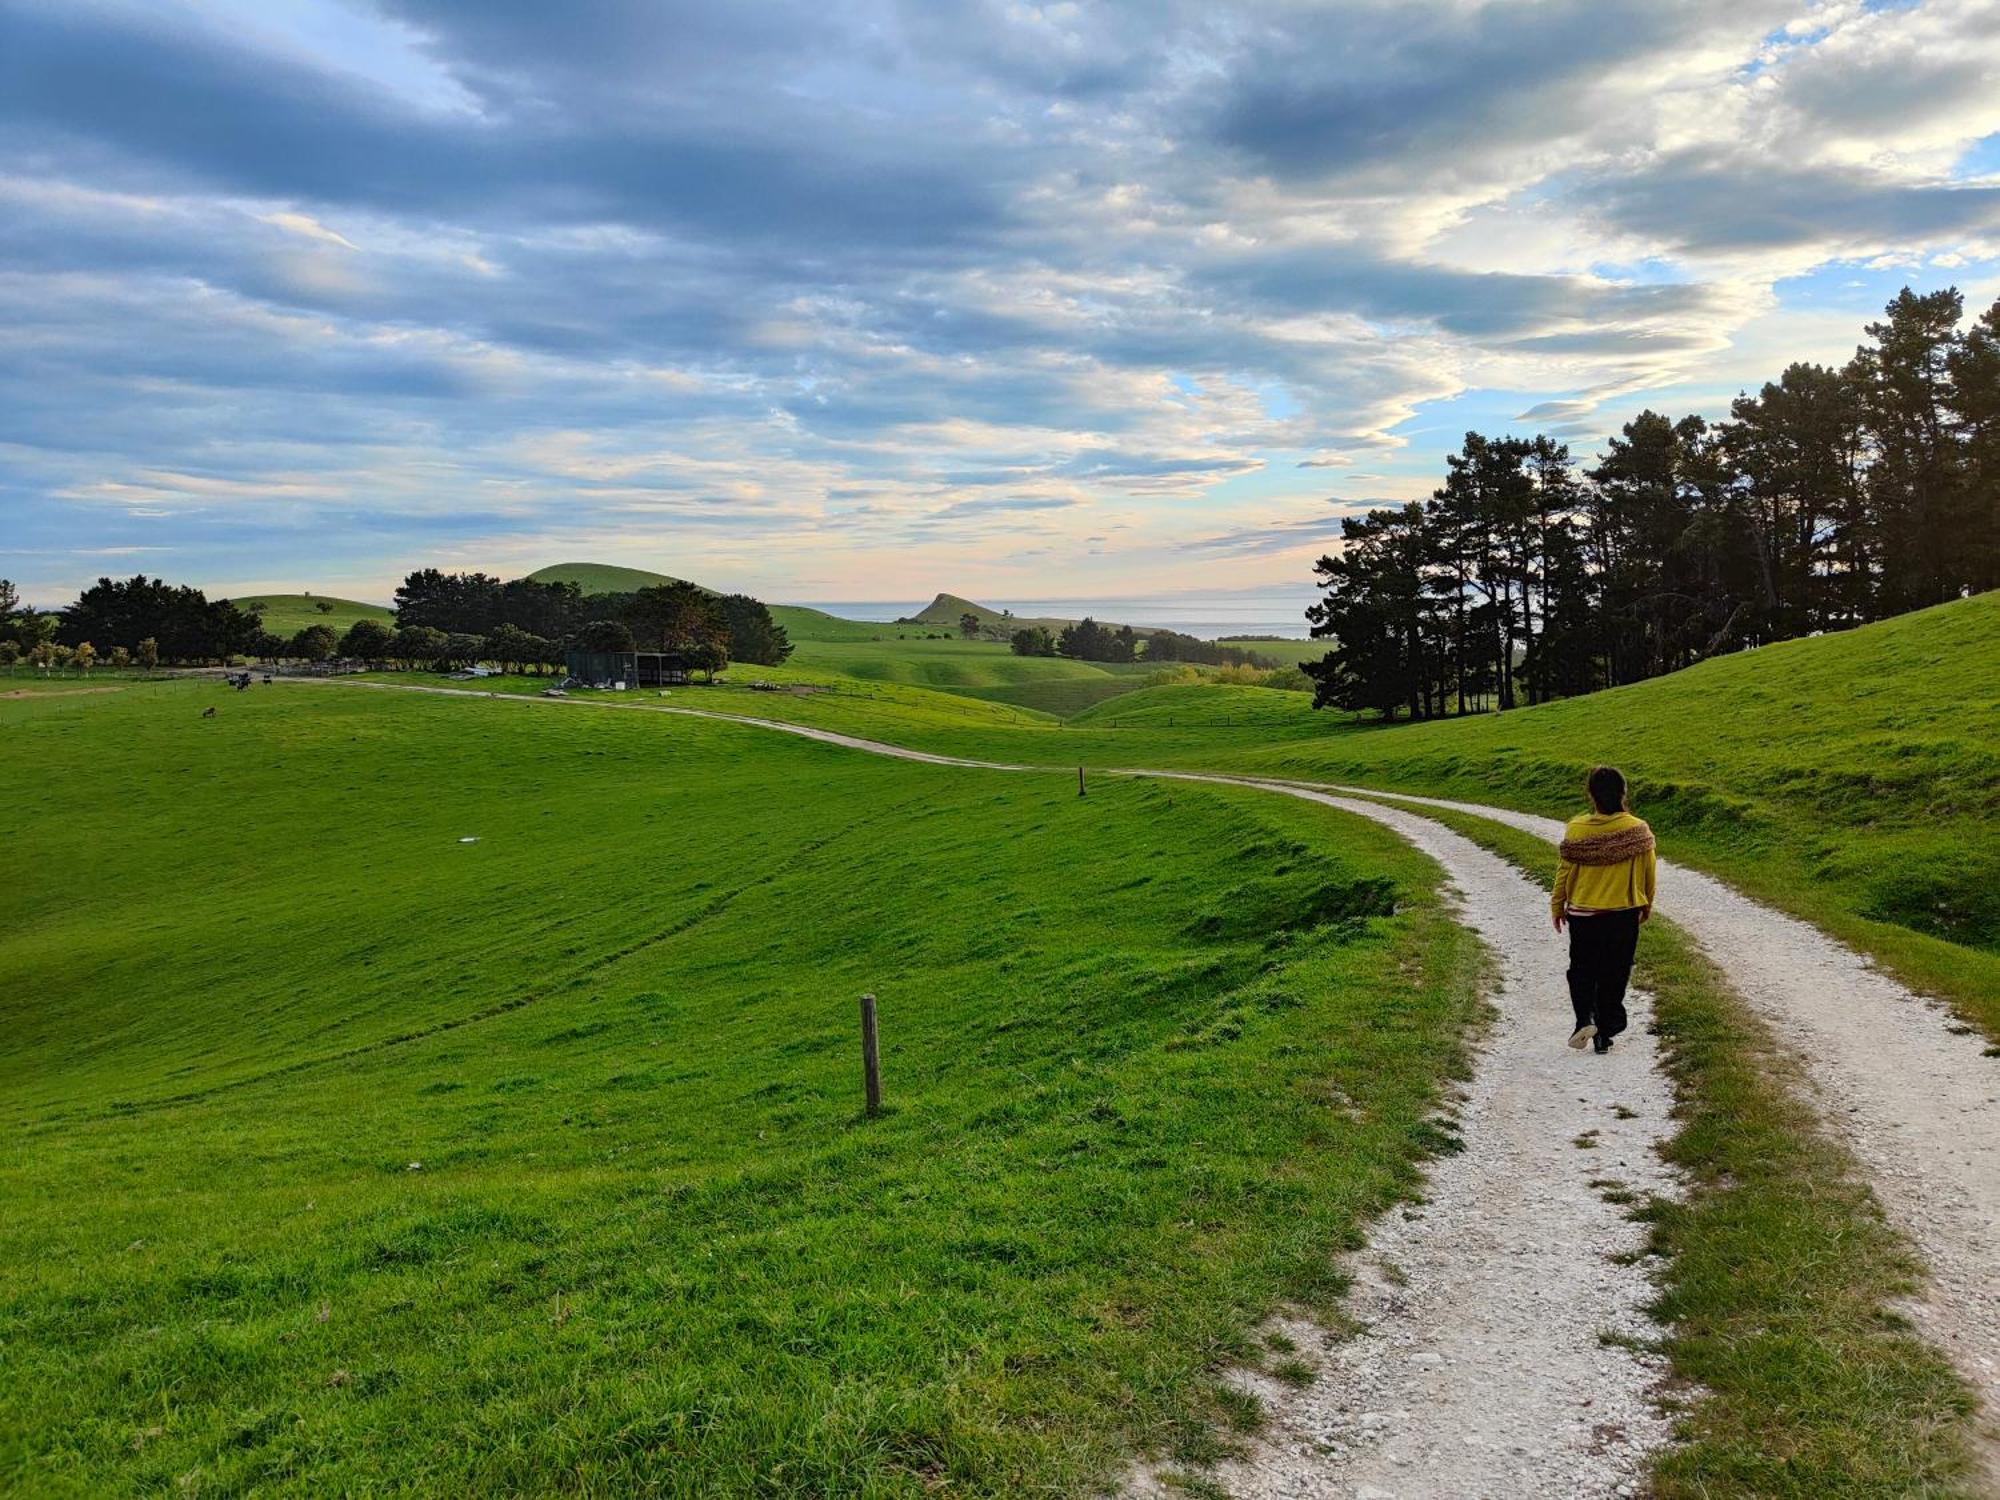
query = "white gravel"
{"x": 1901, "y": 1081}
{"x": 1483, "y": 1371}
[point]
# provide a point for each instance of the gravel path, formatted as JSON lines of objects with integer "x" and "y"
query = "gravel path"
{"x": 1904, "y": 1084}
{"x": 1483, "y": 1371}
{"x": 1491, "y": 1347}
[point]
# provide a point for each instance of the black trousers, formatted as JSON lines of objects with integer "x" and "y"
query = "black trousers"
{"x": 1600, "y": 964}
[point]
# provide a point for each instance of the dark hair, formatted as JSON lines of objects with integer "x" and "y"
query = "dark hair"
{"x": 1607, "y": 788}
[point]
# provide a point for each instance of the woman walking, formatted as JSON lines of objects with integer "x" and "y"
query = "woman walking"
{"x": 1604, "y": 890}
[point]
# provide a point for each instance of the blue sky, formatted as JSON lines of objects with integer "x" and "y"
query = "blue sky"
{"x": 829, "y": 300}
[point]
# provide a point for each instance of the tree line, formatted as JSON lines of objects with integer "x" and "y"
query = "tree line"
{"x": 141, "y": 621}
{"x": 1087, "y": 640}
{"x": 710, "y": 630}
{"x": 443, "y": 620}
{"x": 1830, "y": 498}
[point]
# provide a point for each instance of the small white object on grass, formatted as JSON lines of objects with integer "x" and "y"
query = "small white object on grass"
{"x": 469, "y": 841}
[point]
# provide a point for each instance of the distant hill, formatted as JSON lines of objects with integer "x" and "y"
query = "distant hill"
{"x": 800, "y": 623}
{"x": 602, "y": 578}
{"x": 288, "y": 614}
{"x": 947, "y": 608}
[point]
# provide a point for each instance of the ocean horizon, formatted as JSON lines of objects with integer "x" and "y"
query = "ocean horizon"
{"x": 1274, "y": 613}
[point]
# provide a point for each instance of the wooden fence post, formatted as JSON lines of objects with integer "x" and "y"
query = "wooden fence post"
{"x": 871, "y": 1057}
{"x": 1079, "y": 781}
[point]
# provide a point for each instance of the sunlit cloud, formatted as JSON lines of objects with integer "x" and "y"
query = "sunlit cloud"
{"x": 872, "y": 299}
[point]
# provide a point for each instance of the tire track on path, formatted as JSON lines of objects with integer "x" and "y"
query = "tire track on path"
{"x": 1485, "y": 1369}
{"x": 1903, "y": 1083}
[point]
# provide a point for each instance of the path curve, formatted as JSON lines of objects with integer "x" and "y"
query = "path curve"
{"x": 1907, "y": 1087}
{"x": 1487, "y": 1302}
{"x": 1484, "y": 1370}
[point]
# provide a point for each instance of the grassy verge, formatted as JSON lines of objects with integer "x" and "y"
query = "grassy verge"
{"x": 1853, "y": 780}
{"x": 1781, "y": 1275}
{"x": 377, "y": 1160}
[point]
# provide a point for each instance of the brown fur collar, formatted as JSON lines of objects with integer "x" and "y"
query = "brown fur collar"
{"x": 1609, "y": 848}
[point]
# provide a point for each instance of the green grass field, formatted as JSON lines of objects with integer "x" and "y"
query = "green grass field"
{"x": 1852, "y": 779}
{"x": 288, "y": 614}
{"x": 252, "y": 975}
{"x": 980, "y": 669}
{"x": 347, "y": 1156}
{"x": 908, "y": 652}
{"x": 1284, "y": 652}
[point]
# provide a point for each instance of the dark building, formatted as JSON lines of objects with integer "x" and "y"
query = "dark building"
{"x": 633, "y": 668}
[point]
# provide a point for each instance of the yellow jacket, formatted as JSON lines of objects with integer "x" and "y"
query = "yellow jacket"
{"x": 1608, "y": 864}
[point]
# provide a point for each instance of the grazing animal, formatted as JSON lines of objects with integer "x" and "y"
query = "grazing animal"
{"x": 208, "y": 713}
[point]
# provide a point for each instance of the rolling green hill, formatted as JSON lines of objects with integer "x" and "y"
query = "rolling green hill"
{"x": 1286, "y": 652}
{"x": 800, "y": 623}
{"x": 953, "y": 665}
{"x": 947, "y": 609}
{"x": 394, "y": 1161}
{"x": 875, "y": 651}
{"x": 1853, "y": 777}
{"x": 601, "y": 578}
{"x": 390, "y": 1160}
{"x": 287, "y": 614}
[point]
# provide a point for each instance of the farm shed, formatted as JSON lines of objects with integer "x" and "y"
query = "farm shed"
{"x": 633, "y": 668}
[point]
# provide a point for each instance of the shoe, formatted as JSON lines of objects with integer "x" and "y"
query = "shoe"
{"x": 1581, "y": 1035}
{"x": 1600, "y": 1045}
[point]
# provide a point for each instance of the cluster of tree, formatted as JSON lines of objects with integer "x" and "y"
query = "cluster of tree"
{"x": 22, "y": 630}
{"x": 1171, "y": 645}
{"x": 182, "y": 623}
{"x": 26, "y": 635}
{"x": 478, "y": 604}
{"x": 710, "y": 629}
{"x": 1032, "y": 640}
{"x": 413, "y": 647}
{"x": 1085, "y": 640}
{"x": 1830, "y": 498}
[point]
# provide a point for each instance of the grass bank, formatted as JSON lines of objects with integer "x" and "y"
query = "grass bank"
{"x": 1852, "y": 779}
{"x": 287, "y": 614}
{"x": 344, "y": 1154}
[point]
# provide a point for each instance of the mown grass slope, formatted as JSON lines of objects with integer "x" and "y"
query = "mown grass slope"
{"x": 345, "y": 1155}
{"x": 1854, "y": 778}
{"x": 288, "y": 614}
{"x": 980, "y": 669}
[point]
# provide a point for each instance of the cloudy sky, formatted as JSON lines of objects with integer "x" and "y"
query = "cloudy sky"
{"x": 840, "y": 300}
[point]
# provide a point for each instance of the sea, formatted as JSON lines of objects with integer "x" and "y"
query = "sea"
{"x": 1279, "y": 612}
